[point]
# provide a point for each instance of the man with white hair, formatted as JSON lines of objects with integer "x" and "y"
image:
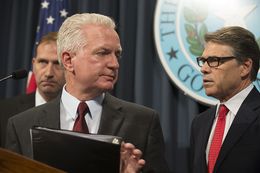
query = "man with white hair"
{"x": 89, "y": 49}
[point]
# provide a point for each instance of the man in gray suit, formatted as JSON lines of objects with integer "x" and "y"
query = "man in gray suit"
{"x": 89, "y": 49}
{"x": 49, "y": 79}
{"x": 226, "y": 138}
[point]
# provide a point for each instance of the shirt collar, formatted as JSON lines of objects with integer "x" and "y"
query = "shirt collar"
{"x": 234, "y": 103}
{"x": 39, "y": 100}
{"x": 71, "y": 103}
{"x": 95, "y": 105}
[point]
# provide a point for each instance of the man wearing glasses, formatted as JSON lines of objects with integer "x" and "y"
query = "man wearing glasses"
{"x": 226, "y": 138}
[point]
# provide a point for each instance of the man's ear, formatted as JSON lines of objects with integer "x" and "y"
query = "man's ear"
{"x": 33, "y": 63}
{"x": 66, "y": 59}
{"x": 246, "y": 67}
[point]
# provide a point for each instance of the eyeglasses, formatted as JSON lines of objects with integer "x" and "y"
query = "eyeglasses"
{"x": 213, "y": 61}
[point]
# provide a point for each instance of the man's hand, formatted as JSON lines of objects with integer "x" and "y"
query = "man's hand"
{"x": 131, "y": 161}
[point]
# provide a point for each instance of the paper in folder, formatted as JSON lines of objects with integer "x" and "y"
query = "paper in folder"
{"x": 76, "y": 152}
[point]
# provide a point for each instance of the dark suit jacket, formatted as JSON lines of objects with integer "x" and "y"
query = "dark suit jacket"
{"x": 136, "y": 124}
{"x": 240, "y": 151}
{"x": 12, "y": 106}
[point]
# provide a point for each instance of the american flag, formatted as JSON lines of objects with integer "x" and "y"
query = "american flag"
{"x": 51, "y": 16}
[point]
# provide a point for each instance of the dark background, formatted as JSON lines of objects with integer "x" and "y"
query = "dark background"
{"x": 142, "y": 78}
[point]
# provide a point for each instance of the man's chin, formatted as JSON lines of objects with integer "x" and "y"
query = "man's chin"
{"x": 108, "y": 87}
{"x": 50, "y": 91}
{"x": 209, "y": 92}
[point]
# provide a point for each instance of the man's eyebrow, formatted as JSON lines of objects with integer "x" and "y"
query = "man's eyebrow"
{"x": 46, "y": 59}
{"x": 41, "y": 59}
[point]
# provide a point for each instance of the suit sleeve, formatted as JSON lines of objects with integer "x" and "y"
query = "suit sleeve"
{"x": 154, "y": 153}
{"x": 12, "y": 142}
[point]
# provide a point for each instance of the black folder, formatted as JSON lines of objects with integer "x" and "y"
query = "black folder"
{"x": 76, "y": 152}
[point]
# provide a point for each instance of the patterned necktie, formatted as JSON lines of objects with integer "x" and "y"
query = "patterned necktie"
{"x": 217, "y": 138}
{"x": 80, "y": 124}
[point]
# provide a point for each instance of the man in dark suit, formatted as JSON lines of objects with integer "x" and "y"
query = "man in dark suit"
{"x": 49, "y": 78}
{"x": 226, "y": 138}
{"x": 89, "y": 49}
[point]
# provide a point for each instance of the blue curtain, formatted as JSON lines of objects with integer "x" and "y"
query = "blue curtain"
{"x": 142, "y": 78}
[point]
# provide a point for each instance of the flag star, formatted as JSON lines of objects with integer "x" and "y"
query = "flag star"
{"x": 45, "y": 4}
{"x": 50, "y": 20}
{"x": 63, "y": 13}
{"x": 172, "y": 53}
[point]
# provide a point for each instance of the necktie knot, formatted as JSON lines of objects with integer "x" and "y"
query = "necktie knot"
{"x": 223, "y": 110}
{"x": 82, "y": 109}
{"x": 80, "y": 124}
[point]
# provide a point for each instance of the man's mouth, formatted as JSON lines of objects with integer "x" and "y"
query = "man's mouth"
{"x": 48, "y": 83}
{"x": 109, "y": 77}
{"x": 207, "y": 82}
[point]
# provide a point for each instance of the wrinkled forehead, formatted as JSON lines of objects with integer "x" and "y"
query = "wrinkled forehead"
{"x": 217, "y": 49}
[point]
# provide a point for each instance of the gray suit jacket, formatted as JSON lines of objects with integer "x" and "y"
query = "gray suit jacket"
{"x": 240, "y": 151}
{"x": 136, "y": 124}
{"x": 12, "y": 106}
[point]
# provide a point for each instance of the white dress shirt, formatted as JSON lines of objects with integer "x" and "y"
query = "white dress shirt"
{"x": 39, "y": 100}
{"x": 68, "y": 111}
{"x": 233, "y": 105}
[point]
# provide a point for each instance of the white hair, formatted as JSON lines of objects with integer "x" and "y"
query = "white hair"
{"x": 70, "y": 35}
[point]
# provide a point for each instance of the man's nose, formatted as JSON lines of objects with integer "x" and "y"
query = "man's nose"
{"x": 205, "y": 68}
{"x": 49, "y": 70}
{"x": 114, "y": 62}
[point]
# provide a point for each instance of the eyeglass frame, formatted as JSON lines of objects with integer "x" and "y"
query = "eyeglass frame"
{"x": 216, "y": 58}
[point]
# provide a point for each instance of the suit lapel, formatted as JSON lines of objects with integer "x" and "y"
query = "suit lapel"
{"x": 206, "y": 128}
{"x": 111, "y": 117}
{"x": 50, "y": 114}
{"x": 244, "y": 118}
{"x": 26, "y": 102}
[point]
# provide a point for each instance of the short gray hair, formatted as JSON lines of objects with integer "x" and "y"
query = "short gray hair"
{"x": 70, "y": 35}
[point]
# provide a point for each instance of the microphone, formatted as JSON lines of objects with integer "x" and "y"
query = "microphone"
{"x": 17, "y": 74}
